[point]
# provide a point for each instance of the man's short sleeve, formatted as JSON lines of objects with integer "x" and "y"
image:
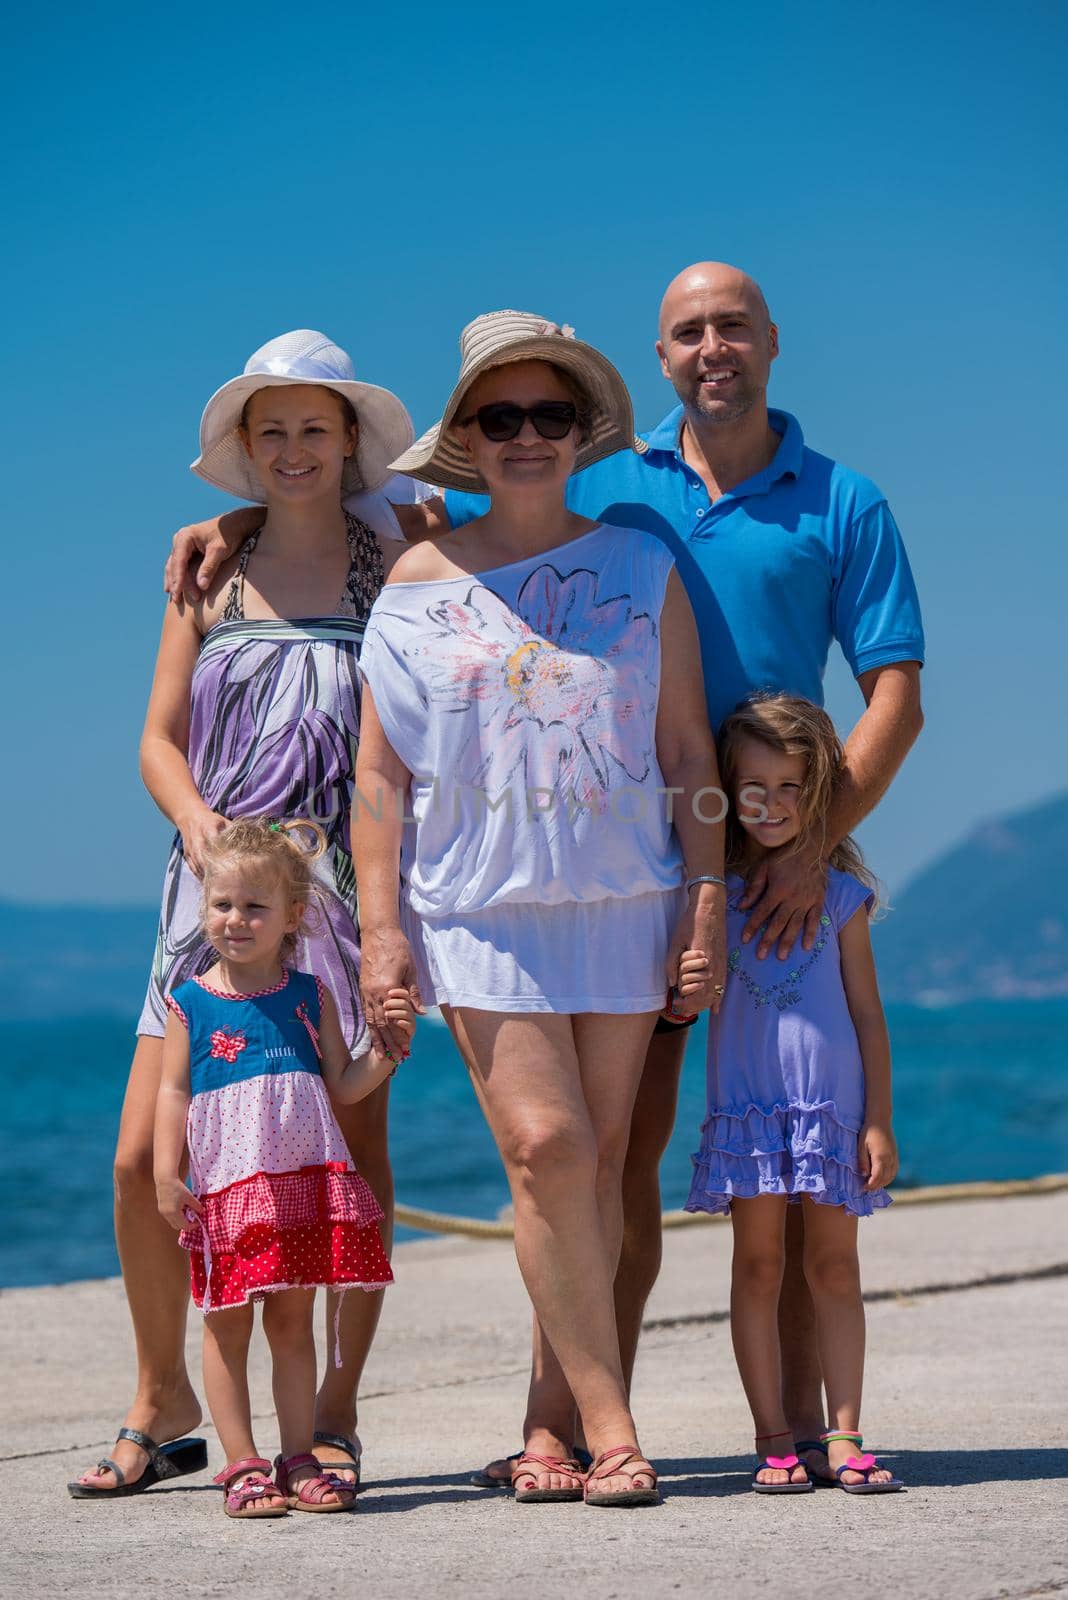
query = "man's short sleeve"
{"x": 876, "y": 610}
{"x": 461, "y": 507}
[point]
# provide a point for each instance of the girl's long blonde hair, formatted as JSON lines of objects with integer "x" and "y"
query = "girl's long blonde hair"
{"x": 795, "y": 727}
{"x": 258, "y": 845}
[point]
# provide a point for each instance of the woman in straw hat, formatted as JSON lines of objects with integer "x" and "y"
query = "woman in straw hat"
{"x": 532, "y": 686}
{"x": 253, "y": 713}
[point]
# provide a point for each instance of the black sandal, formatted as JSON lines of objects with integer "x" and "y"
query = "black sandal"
{"x": 171, "y": 1460}
{"x": 351, "y": 1447}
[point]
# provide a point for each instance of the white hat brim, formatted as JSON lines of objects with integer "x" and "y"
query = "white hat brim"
{"x": 438, "y": 458}
{"x": 385, "y": 429}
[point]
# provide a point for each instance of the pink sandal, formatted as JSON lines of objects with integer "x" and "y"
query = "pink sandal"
{"x": 529, "y": 1465}
{"x": 239, "y": 1502}
{"x": 644, "y": 1495}
{"x": 311, "y": 1493}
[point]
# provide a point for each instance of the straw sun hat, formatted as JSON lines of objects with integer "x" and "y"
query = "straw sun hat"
{"x": 501, "y": 337}
{"x": 385, "y": 428}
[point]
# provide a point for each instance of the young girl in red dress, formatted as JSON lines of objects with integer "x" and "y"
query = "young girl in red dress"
{"x": 274, "y": 1207}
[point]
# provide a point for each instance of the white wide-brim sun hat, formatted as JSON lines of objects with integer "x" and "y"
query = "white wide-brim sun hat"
{"x": 303, "y": 356}
{"x": 495, "y": 340}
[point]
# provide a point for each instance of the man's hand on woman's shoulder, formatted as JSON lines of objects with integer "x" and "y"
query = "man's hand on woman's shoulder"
{"x": 198, "y": 551}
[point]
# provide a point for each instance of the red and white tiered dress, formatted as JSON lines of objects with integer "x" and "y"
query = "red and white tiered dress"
{"x": 284, "y": 1207}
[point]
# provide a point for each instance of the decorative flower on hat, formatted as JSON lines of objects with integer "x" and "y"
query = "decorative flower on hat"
{"x": 227, "y": 1046}
{"x": 570, "y": 682}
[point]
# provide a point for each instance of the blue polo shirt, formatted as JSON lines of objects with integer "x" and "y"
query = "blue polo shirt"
{"x": 804, "y": 552}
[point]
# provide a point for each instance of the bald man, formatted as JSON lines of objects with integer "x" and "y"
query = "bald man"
{"x": 781, "y": 551}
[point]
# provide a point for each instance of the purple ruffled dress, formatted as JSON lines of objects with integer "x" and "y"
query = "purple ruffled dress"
{"x": 785, "y": 1084}
{"x": 273, "y": 731}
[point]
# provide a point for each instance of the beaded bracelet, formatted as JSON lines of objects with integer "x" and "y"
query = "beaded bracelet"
{"x": 705, "y": 877}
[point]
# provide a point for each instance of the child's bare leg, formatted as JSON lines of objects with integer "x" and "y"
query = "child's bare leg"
{"x": 756, "y": 1278}
{"x": 226, "y": 1340}
{"x": 833, "y": 1273}
{"x": 287, "y": 1322}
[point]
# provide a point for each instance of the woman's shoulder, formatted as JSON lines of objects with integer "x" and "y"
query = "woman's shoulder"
{"x": 421, "y": 563}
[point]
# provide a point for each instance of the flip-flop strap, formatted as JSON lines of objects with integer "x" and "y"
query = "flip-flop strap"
{"x": 570, "y": 1469}
{"x": 629, "y": 1453}
{"x": 865, "y": 1465}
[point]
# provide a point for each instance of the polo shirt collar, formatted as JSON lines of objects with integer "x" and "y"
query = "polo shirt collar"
{"x": 785, "y": 463}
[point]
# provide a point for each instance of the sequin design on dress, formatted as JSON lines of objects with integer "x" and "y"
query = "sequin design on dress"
{"x": 786, "y": 992}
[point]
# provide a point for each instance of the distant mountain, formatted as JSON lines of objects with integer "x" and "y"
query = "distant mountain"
{"x": 987, "y": 920}
{"x": 64, "y": 961}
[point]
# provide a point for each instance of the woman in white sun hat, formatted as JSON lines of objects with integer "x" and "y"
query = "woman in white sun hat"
{"x": 533, "y": 690}
{"x": 255, "y": 712}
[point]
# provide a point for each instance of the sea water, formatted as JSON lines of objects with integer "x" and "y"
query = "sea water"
{"x": 981, "y": 1092}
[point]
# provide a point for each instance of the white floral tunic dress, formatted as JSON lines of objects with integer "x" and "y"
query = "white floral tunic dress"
{"x": 541, "y": 870}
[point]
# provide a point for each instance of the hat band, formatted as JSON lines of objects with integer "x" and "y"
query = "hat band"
{"x": 299, "y": 367}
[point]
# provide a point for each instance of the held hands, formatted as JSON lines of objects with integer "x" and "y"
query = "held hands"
{"x": 400, "y": 1018}
{"x": 697, "y": 959}
{"x": 387, "y": 970}
{"x": 787, "y": 893}
{"x": 877, "y": 1154}
{"x": 197, "y": 831}
{"x": 175, "y": 1201}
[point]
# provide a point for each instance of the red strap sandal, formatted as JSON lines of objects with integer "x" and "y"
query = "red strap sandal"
{"x": 248, "y": 1500}
{"x": 310, "y": 1494}
{"x": 611, "y": 1464}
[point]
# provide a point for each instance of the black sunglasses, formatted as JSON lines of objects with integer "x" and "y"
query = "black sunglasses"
{"x": 501, "y": 421}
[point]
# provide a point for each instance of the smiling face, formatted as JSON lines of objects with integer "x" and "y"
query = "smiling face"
{"x": 246, "y": 914}
{"x": 528, "y": 459}
{"x": 765, "y": 779}
{"x": 298, "y": 437}
{"x": 717, "y": 341}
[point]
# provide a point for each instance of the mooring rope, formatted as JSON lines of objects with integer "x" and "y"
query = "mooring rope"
{"x": 936, "y": 1194}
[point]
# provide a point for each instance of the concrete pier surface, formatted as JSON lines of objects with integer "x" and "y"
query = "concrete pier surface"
{"x": 968, "y": 1306}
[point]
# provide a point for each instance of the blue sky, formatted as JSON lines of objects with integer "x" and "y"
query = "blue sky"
{"x": 182, "y": 186}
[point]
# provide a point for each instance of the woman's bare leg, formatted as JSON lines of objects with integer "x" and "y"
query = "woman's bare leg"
{"x": 558, "y": 1094}
{"x": 366, "y": 1129}
{"x": 155, "y": 1274}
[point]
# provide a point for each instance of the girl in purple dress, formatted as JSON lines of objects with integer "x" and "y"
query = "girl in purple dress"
{"x": 255, "y": 712}
{"x": 799, "y": 1101}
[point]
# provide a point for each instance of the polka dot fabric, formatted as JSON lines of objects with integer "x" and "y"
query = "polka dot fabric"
{"x": 283, "y": 1206}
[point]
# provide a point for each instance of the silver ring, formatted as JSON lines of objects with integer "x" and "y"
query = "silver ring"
{"x": 717, "y": 988}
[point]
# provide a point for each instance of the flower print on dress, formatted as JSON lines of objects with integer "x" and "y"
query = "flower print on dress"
{"x": 583, "y": 671}
{"x": 227, "y": 1046}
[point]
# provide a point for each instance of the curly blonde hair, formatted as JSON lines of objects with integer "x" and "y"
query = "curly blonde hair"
{"x": 794, "y": 727}
{"x": 256, "y": 845}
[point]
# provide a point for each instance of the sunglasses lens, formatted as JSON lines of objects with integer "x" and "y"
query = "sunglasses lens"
{"x": 501, "y": 421}
{"x": 553, "y": 419}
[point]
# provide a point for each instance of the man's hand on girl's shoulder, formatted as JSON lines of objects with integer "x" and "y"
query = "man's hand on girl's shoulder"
{"x": 785, "y": 896}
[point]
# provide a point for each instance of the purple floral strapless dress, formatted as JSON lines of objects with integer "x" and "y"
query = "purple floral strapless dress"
{"x": 274, "y": 726}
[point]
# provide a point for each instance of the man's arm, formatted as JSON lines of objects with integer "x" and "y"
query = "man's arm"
{"x": 787, "y": 893}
